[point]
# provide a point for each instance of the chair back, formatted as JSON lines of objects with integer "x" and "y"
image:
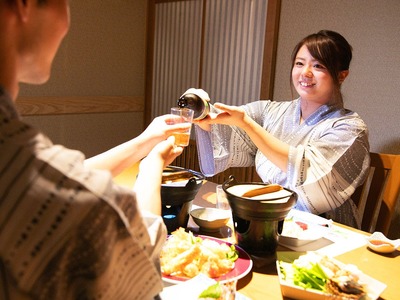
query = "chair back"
{"x": 377, "y": 197}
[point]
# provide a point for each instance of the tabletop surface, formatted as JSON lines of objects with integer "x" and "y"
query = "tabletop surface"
{"x": 262, "y": 282}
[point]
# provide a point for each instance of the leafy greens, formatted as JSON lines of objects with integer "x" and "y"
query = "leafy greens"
{"x": 308, "y": 276}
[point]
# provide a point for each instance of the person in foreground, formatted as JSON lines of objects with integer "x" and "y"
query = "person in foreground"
{"x": 311, "y": 145}
{"x": 66, "y": 230}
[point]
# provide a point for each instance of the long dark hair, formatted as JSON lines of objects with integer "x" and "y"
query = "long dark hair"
{"x": 333, "y": 51}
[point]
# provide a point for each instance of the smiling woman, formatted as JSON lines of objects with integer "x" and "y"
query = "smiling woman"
{"x": 311, "y": 145}
{"x": 312, "y": 59}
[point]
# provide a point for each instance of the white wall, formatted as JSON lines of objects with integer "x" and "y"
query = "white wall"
{"x": 373, "y": 86}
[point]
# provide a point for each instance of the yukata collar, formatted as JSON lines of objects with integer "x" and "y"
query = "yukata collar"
{"x": 321, "y": 113}
{"x": 7, "y": 105}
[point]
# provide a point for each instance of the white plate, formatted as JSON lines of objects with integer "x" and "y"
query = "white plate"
{"x": 288, "y": 289}
{"x": 293, "y": 236}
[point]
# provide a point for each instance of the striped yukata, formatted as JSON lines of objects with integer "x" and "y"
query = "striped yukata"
{"x": 328, "y": 156}
{"x": 66, "y": 232}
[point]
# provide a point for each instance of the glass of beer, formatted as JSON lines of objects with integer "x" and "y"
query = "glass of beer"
{"x": 182, "y": 115}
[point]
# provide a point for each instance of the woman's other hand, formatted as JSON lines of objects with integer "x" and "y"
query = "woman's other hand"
{"x": 228, "y": 115}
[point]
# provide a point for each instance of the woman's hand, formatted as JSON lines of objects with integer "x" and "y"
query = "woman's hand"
{"x": 229, "y": 115}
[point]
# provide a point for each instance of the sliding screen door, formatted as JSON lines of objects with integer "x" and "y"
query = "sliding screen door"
{"x": 216, "y": 45}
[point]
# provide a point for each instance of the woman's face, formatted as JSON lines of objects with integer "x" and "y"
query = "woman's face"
{"x": 311, "y": 79}
{"x": 44, "y": 29}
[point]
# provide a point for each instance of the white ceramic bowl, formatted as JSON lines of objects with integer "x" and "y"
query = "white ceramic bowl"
{"x": 380, "y": 243}
{"x": 210, "y": 219}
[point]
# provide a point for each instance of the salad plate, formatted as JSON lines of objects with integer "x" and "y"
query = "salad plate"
{"x": 372, "y": 286}
{"x": 242, "y": 267}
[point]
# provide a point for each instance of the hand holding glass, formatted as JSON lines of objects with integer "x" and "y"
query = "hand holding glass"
{"x": 182, "y": 115}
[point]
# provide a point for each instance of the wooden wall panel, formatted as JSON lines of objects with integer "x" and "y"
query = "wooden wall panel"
{"x": 30, "y": 106}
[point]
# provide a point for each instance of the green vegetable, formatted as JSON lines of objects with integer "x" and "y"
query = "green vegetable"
{"x": 232, "y": 255}
{"x": 314, "y": 277}
{"x": 310, "y": 276}
{"x": 195, "y": 239}
{"x": 213, "y": 291}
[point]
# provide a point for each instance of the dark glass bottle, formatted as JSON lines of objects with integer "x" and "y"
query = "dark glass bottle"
{"x": 192, "y": 100}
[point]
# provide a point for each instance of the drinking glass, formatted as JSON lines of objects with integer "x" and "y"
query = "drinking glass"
{"x": 222, "y": 200}
{"x": 182, "y": 115}
{"x": 223, "y": 203}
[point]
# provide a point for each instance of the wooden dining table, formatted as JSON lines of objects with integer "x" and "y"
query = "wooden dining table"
{"x": 262, "y": 281}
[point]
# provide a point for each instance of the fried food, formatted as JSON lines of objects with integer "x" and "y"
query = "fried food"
{"x": 185, "y": 255}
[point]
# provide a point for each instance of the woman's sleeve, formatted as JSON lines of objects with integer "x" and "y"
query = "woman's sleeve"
{"x": 227, "y": 146}
{"x": 326, "y": 171}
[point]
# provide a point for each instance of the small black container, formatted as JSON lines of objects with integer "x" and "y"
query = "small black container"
{"x": 256, "y": 221}
{"x": 177, "y": 200}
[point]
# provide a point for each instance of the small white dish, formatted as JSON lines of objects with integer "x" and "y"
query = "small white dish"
{"x": 378, "y": 242}
{"x": 210, "y": 219}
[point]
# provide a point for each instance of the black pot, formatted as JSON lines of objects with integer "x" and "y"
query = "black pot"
{"x": 177, "y": 200}
{"x": 256, "y": 221}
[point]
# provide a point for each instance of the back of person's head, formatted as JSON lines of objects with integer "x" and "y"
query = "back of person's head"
{"x": 333, "y": 51}
{"x": 39, "y": 2}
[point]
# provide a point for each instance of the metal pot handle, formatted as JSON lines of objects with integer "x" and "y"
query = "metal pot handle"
{"x": 230, "y": 182}
{"x": 191, "y": 182}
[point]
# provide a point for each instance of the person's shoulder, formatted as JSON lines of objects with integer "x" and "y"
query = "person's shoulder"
{"x": 350, "y": 120}
{"x": 350, "y": 114}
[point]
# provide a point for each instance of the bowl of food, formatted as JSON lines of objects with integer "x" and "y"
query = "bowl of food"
{"x": 210, "y": 219}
